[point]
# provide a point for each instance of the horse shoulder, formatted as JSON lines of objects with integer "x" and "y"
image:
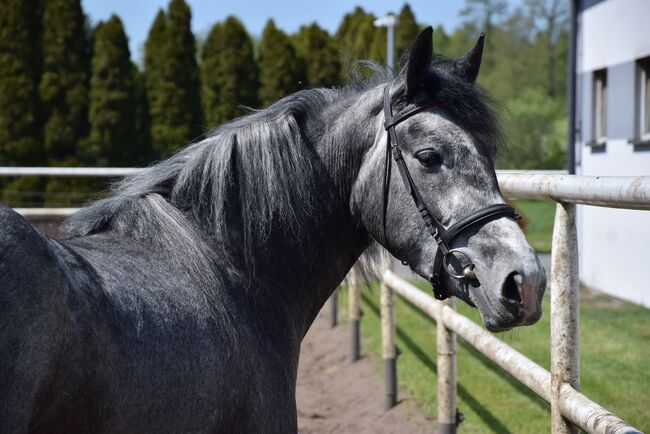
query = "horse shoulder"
{"x": 35, "y": 321}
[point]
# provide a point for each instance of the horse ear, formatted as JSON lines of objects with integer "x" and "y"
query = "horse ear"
{"x": 419, "y": 61}
{"x": 470, "y": 64}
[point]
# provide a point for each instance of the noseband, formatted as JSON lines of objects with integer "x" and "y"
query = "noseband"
{"x": 442, "y": 235}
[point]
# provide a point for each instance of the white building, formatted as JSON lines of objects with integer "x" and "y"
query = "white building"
{"x": 612, "y": 137}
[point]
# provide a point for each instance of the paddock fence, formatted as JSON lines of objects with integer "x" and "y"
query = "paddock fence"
{"x": 570, "y": 409}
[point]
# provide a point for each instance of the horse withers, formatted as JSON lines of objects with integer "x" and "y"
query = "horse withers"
{"x": 178, "y": 304}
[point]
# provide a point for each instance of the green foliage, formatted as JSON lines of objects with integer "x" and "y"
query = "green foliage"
{"x": 355, "y": 37}
{"x": 20, "y": 141}
{"x": 278, "y": 65}
{"x": 405, "y": 30}
{"x": 64, "y": 83}
{"x": 316, "y": 50}
{"x": 524, "y": 70}
{"x": 142, "y": 122}
{"x": 112, "y": 99}
{"x": 228, "y": 72}
{"x": 537, "y": 131}
{"x": 540, "y": 215}
{"x": 156, "y": 85}
{"x": 172, "y": 80}
{"x": 184, "y": 72}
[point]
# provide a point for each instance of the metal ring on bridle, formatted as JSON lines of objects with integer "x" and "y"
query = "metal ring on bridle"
{"x": 468, "y": 269}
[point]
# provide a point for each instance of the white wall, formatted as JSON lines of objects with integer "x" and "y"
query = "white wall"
{"x": 614, "y": 31}
{"x": 614, "y": 244}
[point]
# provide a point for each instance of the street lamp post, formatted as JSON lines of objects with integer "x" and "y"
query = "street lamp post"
{"x": 389, "y": 22}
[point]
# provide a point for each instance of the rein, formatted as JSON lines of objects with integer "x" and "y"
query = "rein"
{"x": 442, "y": 235}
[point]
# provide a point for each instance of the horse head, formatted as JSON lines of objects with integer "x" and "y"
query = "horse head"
{"x": 440, "y": 208}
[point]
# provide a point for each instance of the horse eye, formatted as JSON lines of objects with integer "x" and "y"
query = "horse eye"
{"x": 428, "y": 157}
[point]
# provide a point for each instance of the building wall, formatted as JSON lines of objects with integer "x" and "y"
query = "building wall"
{"x": 614, "y": 244}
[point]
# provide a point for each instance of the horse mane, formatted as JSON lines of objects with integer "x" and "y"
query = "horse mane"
{"x": 258, "y": 170}
{"x": 245, "y": 169}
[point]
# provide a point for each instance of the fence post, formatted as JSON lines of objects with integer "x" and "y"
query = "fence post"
{"x": 333, "y": 311}
{"x": 388, "y": 344}
{"x": 354, "y": 314}
{"x": 446, "y": 343}
{"x": 565, "y": 349}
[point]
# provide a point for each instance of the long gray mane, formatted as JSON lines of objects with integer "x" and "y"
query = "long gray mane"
{"x": 258, "y": 171}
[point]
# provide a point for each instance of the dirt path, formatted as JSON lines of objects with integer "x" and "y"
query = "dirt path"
{"x": 335, "y": 396}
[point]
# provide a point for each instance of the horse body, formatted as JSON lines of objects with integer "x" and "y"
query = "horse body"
{"x": 179, "y": 303}
{"x": 137, "y": 344}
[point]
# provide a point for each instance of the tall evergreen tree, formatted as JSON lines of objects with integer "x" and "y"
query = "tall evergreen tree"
{"x": 355, "y": 37}
{"x": 142, "y": 120}
{"x": 64, "y": 83}
{"x": 278, "y": 66}
{"x": 171, "y": 75}
{"x": 20, "y": 129}
{"x": 315, "y": 49}
{"x": 66, "y": 45}
{"x": 405, "y": 30}
{"x": 112, "y": 102}
{"x": 377, "y": 52}
{"x": 157, "y": 89}
{"x": 228, "y": 72}
{"x": 20, "y": 142}
{"x": 184, "y": 71}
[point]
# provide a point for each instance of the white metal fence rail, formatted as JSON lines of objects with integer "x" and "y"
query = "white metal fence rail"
{"x": 570, "y": 409}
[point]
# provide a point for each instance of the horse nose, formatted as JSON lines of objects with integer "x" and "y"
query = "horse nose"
{"x": 511, "y": 288}
{"x": 521, "y": 294}
{"x": 511, "y": 294}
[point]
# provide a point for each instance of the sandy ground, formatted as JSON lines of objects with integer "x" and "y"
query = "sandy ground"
{"x": 335, "y": 396}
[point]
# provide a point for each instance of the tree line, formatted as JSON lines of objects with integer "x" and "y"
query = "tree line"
{"x": 70, "y": 94}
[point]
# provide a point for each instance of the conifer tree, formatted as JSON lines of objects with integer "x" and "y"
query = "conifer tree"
{"x": 228, "y": 72}
{"x": 112, "y": 100}
{"x": 172, "y": 83}
{"x": 143, "y": 152}
{"x": 278, "y": 66}
{"x": 63, "y": 91}
{"x": 316, "y": 51}
{"x": 20, "y": 142}
{"x": 355, "y": 37}
{"x": 405, "y": 30}
{"x": 157, "y": 90}
{"x": 64, "y": 83}
{"x": 184, "y": 72}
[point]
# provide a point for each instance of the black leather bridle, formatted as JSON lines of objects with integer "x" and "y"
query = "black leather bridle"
{"x": 441, "y": 234}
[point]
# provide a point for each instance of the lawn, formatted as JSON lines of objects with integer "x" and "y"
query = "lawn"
{"x": 615, "y": 349}
{"x": 540, "y": 215}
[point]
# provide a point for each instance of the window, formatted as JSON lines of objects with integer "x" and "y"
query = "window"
{"x": 600, "y": 108}
{"x": 643, "y": 100}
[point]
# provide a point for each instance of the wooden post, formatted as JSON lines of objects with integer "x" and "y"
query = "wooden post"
{"x": 446, "y": 346}
{"x": 388, "y": 345}
{"x": 354, "y": 314}
{"x": 565, "y": 349}
{"x": 333, "y": 311}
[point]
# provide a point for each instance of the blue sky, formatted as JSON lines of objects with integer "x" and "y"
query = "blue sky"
{"x": 137, "y": 15}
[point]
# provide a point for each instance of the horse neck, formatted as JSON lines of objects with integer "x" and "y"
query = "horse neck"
{"x": 301, "y": 280}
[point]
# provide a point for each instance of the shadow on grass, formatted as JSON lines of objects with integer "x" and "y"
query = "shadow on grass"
{"x": 488, "y": 363}
{"x": 487, "y": 416}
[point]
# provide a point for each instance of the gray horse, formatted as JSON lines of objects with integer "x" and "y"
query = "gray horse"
{"x": 179, "y": 303}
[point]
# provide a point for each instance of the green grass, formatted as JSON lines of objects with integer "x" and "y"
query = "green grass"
{"x": 614, "y": 355}
{"x": 540, "y": 215}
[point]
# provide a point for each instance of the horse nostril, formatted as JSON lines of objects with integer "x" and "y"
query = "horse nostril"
{"x": 510, "y": 290}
